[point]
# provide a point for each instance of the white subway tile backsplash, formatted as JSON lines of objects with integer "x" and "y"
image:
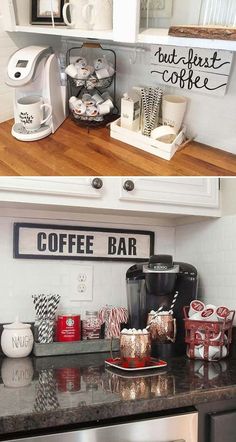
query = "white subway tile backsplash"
{"x": 211, "y": 247}
{"x": 21, "y": 278}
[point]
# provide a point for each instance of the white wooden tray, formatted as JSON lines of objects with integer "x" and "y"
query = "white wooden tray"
{"x": 136, "y": 139}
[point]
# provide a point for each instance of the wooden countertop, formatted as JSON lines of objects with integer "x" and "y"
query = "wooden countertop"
{"x": 72, "y": 151}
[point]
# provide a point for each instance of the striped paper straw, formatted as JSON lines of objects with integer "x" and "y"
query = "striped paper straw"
{"x": 173, "y": 302}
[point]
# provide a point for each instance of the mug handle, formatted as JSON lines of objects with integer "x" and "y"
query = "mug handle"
{"x": 175, "y": 330}
{"x": 64, "y": 13}
{"x": 87, "y": 13}
{"x": 50, "y": 112}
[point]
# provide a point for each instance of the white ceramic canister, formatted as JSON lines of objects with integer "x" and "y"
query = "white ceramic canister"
{"x": 17, "y": 340}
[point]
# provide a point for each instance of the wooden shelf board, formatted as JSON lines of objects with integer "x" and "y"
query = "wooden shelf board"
{"x": 161, "y": 36}
{"x": 65, "y": 32}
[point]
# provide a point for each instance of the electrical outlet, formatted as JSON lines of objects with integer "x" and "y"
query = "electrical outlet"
{"x": 82, "y": 277}
{"x": 82, "y": 288}
{"x": 156, "y": 8}
{"x": 80, "y": 283}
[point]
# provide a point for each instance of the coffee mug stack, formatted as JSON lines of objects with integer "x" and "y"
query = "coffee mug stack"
{"x": 96, "y": 15}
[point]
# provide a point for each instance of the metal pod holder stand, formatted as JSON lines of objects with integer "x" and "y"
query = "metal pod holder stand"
{"x": 77, "y": 88}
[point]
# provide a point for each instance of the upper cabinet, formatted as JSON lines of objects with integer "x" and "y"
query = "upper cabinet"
{"x": 130, "y": 195}
{"x": 133, "y": 21}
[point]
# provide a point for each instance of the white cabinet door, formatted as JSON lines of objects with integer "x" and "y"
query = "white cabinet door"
{"x": 180, "y": 196}
{"x": 171, "y": 194}
{"x": 69, "y": 191}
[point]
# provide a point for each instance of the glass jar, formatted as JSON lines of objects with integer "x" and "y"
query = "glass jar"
{"x": 91, "y": 326}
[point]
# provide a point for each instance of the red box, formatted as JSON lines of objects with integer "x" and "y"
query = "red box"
{"x": 68, "y": 328}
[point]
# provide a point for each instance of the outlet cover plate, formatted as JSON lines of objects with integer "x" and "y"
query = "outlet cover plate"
{"x": 80, "y": 283}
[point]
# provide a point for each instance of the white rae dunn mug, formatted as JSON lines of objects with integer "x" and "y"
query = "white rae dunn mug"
{"x": 30, "y": 112}
{"x": 80, "y": 13}
{"x": 101, "y": 15}
{"x": 173, "y": 111}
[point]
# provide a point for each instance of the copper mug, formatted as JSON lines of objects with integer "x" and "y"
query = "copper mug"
{"x": 135, "y": 349}
{"x": 163, "y": 328}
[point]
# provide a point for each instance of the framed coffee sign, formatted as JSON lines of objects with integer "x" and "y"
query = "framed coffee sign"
{"x": 203, "y": 70}
{"x": 43, "y": 241}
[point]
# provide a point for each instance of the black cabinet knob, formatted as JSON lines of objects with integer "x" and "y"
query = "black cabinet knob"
{"x": 97, "y": 183}
{"x": 128, "y": 185}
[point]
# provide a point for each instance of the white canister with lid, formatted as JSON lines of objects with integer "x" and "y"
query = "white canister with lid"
{"x": 17, "y": 340}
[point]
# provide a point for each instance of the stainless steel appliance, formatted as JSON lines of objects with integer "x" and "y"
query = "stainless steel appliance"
{"x": 161, "y": 283}
{"x": 174, "y": 428}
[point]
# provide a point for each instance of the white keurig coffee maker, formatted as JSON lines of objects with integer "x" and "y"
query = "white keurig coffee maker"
{"x": 40, "y": 99}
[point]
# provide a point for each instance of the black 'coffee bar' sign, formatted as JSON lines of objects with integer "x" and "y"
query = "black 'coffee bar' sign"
{"x": 41, "y": 241}
{"x": 194, "y": 69}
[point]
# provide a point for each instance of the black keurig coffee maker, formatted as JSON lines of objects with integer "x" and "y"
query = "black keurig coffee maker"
{"x": 163, "y": 285}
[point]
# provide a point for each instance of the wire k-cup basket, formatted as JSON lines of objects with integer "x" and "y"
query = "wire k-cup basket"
{"x": 208, "y": 340}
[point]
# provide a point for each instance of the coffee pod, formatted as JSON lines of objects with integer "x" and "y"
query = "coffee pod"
{"x": 101, "y": 63}
{"x": 215, "y": 337}
{"x": 80, "y": 109}
{"x": 83, "y": 73}
{"x": 102, "y": 73}
{"x": 81, "y": 62}
{"x": 103, "y": 109}
{"x": 211, "y": 306}
{"x": 71, "y": 71}
{"x": 196, "y": 352}
{"x": 109, "y": 103}
{"x": 222, "y": 313}
{"x": 86, "y": 97}
{"x": 98, "y": 99}
{"x": 208, "y": 314}
{"x": 91, "y": 111}
{"x": 196, "y": 307}
{"x": 111, "y": 71}
{"x": 213, "y": 352}
{"x": 91, "y": 69}
{"x": 72, "y": 102}
{"x": 106, "y": 96}
{"x": 196, "y": 317}
{"x": 88, "y": 100}
{"x": 199, "y": 336}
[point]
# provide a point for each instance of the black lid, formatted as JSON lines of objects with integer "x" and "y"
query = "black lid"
{"x": 160, "y": 262}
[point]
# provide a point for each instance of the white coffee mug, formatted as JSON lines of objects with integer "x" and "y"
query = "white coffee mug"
{"x": 102, "y": 15}
{"x": 30, "y": 111}
{"x": 80, "y": 12}
{"x": 173, "y": 110}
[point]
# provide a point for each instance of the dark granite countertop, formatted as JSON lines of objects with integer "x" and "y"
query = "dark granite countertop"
{"x": 43, "y": 393}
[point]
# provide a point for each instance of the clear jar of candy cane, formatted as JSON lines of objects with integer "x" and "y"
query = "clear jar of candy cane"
{"x": 91, "y": 326}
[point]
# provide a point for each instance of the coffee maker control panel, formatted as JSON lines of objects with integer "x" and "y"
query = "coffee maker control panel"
{"x": 22, "y": 64}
